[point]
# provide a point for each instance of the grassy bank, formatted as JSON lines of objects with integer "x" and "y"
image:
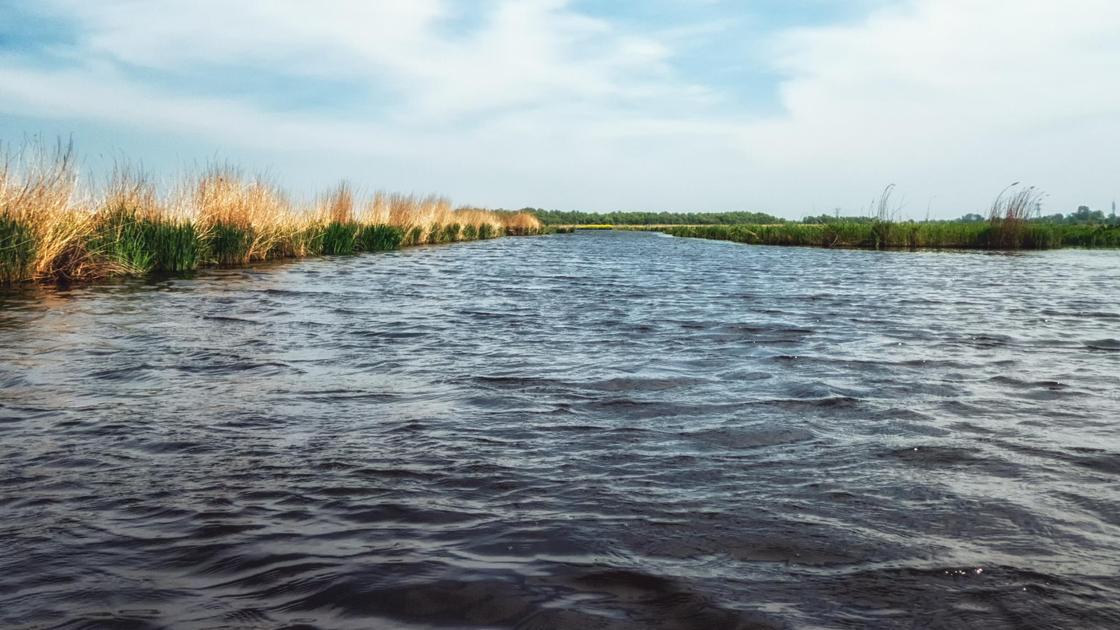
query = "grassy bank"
{"x": 51, "y": 231}
{"x": 1001, "y": 234}
{"x": 1013, "y": 223}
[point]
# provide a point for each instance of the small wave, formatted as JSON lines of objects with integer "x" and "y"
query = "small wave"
{"x": 1110, "y": 344}
{"x": 1108, "y": 463}
{"x": 229, "y": 319}
{"x": 750, "y": 438}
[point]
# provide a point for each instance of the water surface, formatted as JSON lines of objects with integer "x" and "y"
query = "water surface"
{"x": 599, "y": 430}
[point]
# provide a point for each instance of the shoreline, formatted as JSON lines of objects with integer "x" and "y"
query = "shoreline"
{"x": 995, "y": 235}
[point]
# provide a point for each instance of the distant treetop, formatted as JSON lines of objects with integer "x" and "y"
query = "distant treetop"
{"x": 559, "y": 217}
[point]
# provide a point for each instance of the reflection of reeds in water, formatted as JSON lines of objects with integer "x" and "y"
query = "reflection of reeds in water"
{"x": 51, "y": 232}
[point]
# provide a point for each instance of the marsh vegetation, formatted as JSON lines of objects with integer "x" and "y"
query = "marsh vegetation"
{"x": 998, "y": 234}
{"x": 1012, "y": 223}
{"x": 52, "y": 230}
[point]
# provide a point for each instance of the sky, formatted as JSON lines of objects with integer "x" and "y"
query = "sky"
{"x": 792, "y": 107}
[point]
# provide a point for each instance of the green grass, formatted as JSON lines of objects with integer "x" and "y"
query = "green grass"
{"x": 17, "y": 250}
{"x": 340, "y": 239}
{"x": 999, "y": 234}
{"x": 173, "y": 247}
{"x": 378, "y": 238}
{"x": 120, "y": 238}
{"x": 228, "y": 245}
{"x": 1089, "y": 236}
{"x": 139, "y": 245}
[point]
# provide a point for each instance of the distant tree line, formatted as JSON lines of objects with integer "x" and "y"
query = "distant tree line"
{"x": 825, "y": 219}
{"x": 1082, "y": 216}
{"x": 559, "y": 217}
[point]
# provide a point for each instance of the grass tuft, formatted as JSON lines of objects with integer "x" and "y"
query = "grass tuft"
{"x": 381, "y": 237}
{"x": 340, "y": 239}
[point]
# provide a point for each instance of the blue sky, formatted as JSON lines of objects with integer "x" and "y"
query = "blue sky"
{"x": 790, "y": 107}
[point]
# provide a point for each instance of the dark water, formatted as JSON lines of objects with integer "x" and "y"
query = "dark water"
{"x": 603, "y": 430}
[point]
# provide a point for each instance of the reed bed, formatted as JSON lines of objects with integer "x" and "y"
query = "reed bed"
{"x": 1014, "y": 222}
{"x": 996, "y": 234}
{"x": 53, "y": 231}
{"x": 1011, "y": 225}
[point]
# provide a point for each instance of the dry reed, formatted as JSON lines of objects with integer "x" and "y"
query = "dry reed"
{"x": 50, "y": 231}
{"x": 43, "y": 225}
{"x": 1009, "y": 214}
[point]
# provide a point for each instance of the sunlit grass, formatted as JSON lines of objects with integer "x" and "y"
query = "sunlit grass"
{"x": 51, "y": 231}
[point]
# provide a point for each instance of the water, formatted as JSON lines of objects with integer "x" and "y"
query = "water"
{"x": 600, "y": 430}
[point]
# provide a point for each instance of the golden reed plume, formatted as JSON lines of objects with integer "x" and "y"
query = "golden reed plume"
{"x": 52, "y": 231}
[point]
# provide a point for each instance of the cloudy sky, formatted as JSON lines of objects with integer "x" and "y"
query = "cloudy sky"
{"x": 786, "y": 106}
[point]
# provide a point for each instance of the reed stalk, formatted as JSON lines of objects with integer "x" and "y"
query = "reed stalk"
{"x": 52, "y": 232}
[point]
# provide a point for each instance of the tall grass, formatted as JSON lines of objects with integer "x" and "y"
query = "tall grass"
{"x": 17, "y": 250}
{"x": 43, "y": 224}
{"x": 1008, "y": 217}
{"x": 522, "y": 223}
{"x": 52, "y": 231}
{"x": 910, "y": 235}
{"x": 1009, "y": 227}
{"x": 133, "y": 232}
{"x": 340, "y": 232}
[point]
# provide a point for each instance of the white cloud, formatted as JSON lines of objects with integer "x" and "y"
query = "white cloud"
{"x": 953, "y": 98}
{"x": 529, "y": 102}
{"x": 524, "y": 52}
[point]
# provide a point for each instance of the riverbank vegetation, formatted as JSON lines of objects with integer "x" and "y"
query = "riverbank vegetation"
{"x": 909, "y": 235}
{"x": 1013, "y": 222}
{"x": 53, "y": 231}
{"x": 1010, "y": 226}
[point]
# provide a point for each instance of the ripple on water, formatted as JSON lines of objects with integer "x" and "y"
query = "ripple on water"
{"x": 599, "y": 430}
